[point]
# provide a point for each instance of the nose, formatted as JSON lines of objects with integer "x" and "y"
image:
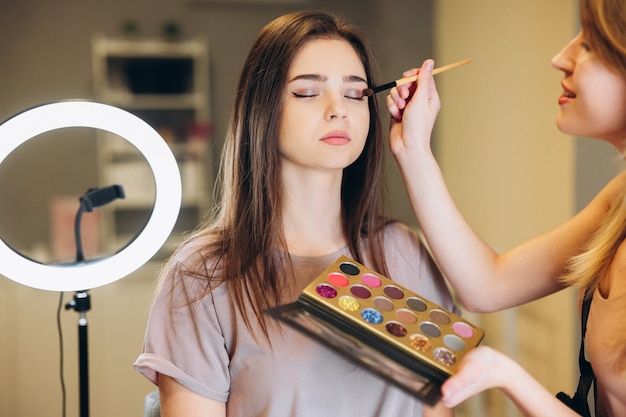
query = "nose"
{"x": 336, "y": 107}
{"x": 565, "y": 58}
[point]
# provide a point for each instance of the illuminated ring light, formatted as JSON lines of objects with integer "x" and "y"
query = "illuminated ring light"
{"x": 92, "y": 274}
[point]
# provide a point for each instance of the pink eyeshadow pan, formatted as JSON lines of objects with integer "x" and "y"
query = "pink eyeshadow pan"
{"x": 463, "y": 330}
{"x": 371, "y": 280}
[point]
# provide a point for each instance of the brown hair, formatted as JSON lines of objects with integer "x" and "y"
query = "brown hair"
{"x": 243, "y": 246}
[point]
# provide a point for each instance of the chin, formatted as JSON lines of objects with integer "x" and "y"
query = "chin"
{"x": 567, "y": 128}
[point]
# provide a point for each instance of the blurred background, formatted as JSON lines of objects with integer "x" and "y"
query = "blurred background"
{"x": 512, "y": 173}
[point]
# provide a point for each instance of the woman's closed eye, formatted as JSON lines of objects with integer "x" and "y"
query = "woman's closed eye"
{"x": 353, "y": 94}
{"x": 305, "y": 93}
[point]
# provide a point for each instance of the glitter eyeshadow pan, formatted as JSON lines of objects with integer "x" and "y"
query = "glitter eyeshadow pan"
{"x": 390, "y": 330}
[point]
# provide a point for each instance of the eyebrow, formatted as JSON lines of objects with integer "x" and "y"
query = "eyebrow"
{"x": 322, "y": 78}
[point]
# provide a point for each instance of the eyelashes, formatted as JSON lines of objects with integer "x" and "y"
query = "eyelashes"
{"x": 356, "y": 94}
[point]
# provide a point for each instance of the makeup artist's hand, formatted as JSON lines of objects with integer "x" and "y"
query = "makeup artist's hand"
{"x": 413, "y": 108}
{"x": 485, "y": 368}
{"x": 480, "y": 369}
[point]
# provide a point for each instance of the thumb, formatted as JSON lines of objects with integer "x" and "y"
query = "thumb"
{"x": 427, "y": 90}
{"x": 450, "y": 392}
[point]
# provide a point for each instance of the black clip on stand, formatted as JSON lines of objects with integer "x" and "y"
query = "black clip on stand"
{"x": 93, "y": 198}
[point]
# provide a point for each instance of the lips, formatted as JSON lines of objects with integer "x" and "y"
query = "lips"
{"x": 567, "y": 92}
{"x": 567, "y": 95}
{"x": 336, "y": 138}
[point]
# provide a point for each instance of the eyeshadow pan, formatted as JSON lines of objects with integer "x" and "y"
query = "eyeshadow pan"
{"x": 371, "y": 280}
{"x": 360, "y": 291}
{"x": 396, "y": 329}
{"x": 383, "y": 303}
{"x": 444, "y": 356}
{"x": 439, "y": 317}
{"x": 371, "y": 315}
{"x": 405, "y": 316}
{"x": 454, "y": 342}
{"x": 348, "y": 303}
{"x": 349, "y": 268}
{"x": 430, "y": 329}
{"x": 416, "y": 304}
{"x": 393, "y": 292}
{"x": 337, "y": 279}
{"x": 420, "y": 343}
{"x": 326, "y": 291}
{"x": 462, "y": 329}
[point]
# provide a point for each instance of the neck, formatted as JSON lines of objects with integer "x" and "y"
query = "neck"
{"x": 312, "y": 214}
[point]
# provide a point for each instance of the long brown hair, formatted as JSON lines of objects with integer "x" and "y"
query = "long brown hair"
{"x": 243, "y": 245}
{"x": 604, "y": 27}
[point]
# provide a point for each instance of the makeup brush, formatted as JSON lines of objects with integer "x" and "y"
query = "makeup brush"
{"x": 371, "y": 91}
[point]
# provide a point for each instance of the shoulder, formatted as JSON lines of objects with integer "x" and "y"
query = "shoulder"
{"x": 611, "y": 191}
{"x": 404, "y": 251}
{"x": 191, "y": 270}
{"x": 404, "y": 242}
{"x": 410, "y": 264}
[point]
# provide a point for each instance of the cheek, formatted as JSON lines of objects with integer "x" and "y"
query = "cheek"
{"x": 363, "y": 126}
{"x": 292, "y": 118}
{"x": 608, "y": 91}
{"x": 608, "y": 106}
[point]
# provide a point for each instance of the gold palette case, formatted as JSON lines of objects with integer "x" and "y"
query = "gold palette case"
{"x": 382, "y": 326}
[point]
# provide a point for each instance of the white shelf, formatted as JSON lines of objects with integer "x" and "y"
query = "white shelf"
{"x": 188, "y": 101}
{"x": 166, "y": 84}
{"x": 123, "y": 47}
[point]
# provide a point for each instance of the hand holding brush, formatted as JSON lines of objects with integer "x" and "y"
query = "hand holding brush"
{"x": 371, "y": 91}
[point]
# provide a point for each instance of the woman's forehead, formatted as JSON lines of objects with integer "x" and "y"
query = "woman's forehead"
{"x": 327, "y": 57}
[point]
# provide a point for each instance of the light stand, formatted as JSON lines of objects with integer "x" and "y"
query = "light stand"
{"x": 93, "y": 199}
{"x": 95, "y": 273}
{"x": 81, "y": 304}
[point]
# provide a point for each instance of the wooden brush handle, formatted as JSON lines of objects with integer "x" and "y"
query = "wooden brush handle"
{"x": 435, "y": 71}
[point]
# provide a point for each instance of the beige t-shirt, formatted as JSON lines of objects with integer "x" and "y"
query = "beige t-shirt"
{"x": 198, "y": 345}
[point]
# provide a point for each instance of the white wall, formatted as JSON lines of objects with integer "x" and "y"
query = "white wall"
{"x": 508, "y": 167}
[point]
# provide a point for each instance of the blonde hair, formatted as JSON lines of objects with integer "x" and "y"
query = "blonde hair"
{"x": 604, "y": 25}
{"x": 586, "y": 269}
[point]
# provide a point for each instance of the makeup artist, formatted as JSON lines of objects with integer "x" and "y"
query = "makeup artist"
{"x": 588, "y": 251}
{"x": 301, "y": 184}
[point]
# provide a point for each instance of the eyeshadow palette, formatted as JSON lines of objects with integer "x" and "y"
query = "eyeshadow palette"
{"x": 392, "y": 331}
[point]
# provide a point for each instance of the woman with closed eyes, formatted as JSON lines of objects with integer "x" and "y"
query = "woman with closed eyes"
{"x": 301, "y": 184}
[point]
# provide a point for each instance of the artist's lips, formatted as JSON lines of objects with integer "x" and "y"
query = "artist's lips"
{"x": 567, "y": 95}
{"x": 336, "y": 138}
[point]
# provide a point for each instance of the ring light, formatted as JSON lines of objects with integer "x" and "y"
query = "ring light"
{"x": 92, "y": 274}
